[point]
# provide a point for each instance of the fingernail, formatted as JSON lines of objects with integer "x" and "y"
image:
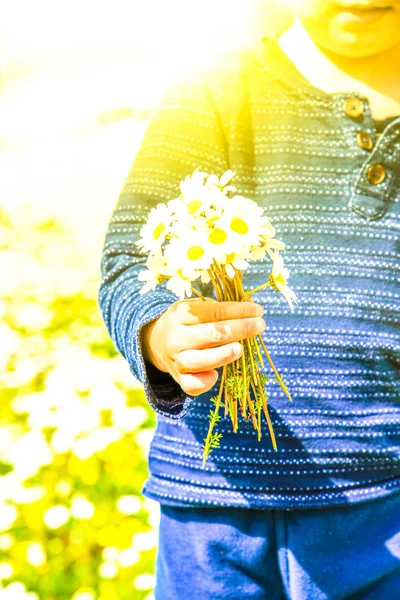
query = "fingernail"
{"x": 260, "y": 311}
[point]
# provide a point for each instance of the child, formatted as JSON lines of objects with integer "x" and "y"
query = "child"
{"x": 310, "y": 124}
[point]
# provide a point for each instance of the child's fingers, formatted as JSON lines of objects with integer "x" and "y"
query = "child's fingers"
{"x": 199, "y": 383}
{"x": 193, "y": 313}
{"x": 217, "y": 334}
{"x": 197, "y": 361}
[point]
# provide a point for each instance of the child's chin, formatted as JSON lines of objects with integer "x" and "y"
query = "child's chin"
{"x": 360, "y": 44}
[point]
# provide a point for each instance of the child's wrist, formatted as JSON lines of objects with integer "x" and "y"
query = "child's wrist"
{"x": 148, "y": 341}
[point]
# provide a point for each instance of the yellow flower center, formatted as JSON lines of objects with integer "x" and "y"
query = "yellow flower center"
{"x": 239, "y": 226}
{"x": 230, "y": 257}
{"x": 218, "y": 236}
{"x": 193, "y": 206}
{"x": 273, "y": 280}
{"x": 158, "y": 230}
{"x": 195, "y": 252}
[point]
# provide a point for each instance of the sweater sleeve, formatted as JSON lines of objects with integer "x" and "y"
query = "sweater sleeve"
{"x": 183, "y": 133}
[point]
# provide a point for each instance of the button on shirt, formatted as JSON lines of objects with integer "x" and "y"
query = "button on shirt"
{"x": 364, "y": 140}
{"x": 295, "y": 151}
{"x": 354, "y": 107}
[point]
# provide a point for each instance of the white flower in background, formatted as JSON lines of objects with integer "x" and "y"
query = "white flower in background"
{"x": 35, "y": 554}
{"x": 56, "y": 516}
{"x": 145, "y": 581}
{"x": 154, "y": 231}
{"x": 129, "y": 504}
{"x": 128, "y": 557}
{"x": 81, "y": 508}
{"x": 279, "y": 276}
{"x": 152, "y": 276}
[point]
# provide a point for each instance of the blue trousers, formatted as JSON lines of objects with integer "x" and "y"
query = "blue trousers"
{"x": 224, "y": 553}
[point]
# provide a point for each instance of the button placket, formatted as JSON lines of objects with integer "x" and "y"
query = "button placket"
{"x": 371, "y": 192}
{"x": 375, "y": 185}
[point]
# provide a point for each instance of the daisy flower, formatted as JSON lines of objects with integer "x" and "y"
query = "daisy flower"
{"x": 279, "y": 276}
{"x": 153, "y": 276}
{"x": 154, "y": 231}
{"x": 222, "y": 182}
{"x": 237, "y": 260}
{"x": 180, "y": 285}
{"x": 194, "y": 195}
{"x": 190, "y": 252}
{"x": 267, "y": 233}
{"x": 242, "y": 220}
{"x": 221, "y": 241}
{"x": 193, "y": 185}
{"x": 198, "y": 201}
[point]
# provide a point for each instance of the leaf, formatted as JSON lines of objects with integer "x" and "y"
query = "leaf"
{"x": 5, "y": 468}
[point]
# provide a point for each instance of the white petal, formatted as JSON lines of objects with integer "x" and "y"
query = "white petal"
{"x": 144, "y": 275}
{"x": 146, "y": 288}
{"x": 205, "y": 277}
{"x": 226, "y": 177}
{"x": 257, "y": 253}
{"x": 240, "y": 264}
{"x": 271, "y": 254}
{"x": 272, "y": 243}
{"x": 289, "y": 295}
{"x": 212, "y": 180}
{"x": 230, "y": 271}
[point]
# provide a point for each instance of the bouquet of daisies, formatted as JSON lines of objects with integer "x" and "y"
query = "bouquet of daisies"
{"x": 211, "y": 233}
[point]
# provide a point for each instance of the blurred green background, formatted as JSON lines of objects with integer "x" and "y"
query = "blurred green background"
{"x": 78, "y": 82}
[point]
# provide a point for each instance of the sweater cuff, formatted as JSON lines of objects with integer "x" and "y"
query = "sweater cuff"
{"x": 163, "y": 393}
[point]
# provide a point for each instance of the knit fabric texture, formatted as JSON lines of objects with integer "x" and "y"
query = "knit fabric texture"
{"x": 295, "y": 151}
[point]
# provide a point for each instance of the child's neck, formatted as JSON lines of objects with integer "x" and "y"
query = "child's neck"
{"x": 377, "y": 77}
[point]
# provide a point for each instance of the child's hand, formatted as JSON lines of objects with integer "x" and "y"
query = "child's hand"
{"x": 194, "y": 337}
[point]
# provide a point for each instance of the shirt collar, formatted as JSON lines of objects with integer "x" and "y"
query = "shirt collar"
{"x": 284, "y": 70}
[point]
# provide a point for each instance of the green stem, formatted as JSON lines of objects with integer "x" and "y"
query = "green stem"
{"x": 208, "y": 439}
{"x": 197, "y": 293}
{"x": 283, "y": 386}
{"x": 260, "y": 287}
{"x": 214, "y": 279}
{"x": 266, "y": 413}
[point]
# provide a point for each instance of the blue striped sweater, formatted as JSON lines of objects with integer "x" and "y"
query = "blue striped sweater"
{"x": 302, "y": 154}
